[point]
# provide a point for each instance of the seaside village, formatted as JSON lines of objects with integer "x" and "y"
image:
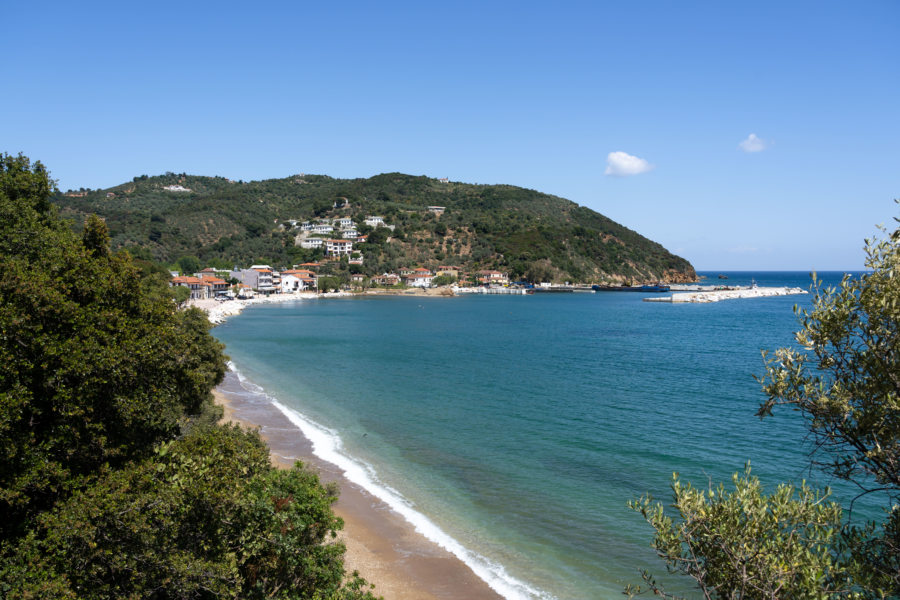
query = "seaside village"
{"x": 264, "y": 280}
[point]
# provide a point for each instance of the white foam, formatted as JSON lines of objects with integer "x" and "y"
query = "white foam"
{"x": 327, "y": 445}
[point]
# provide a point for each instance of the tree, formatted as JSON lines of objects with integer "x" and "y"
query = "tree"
{"x": 188, "y": 265}
{"x": 744, "y": 544}
{"x": 114, "y": 479}
{"x": 844, "y": 379}
{"x": 206, "y": 516}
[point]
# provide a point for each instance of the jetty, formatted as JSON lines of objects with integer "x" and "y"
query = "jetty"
{"x": 491, "y": 290}
{"x": 715, "y": 295}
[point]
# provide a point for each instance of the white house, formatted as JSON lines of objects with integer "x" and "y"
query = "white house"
{"x": 419, "y": 280}
{"x": 374, "y": 221}
{"x": 350, "y": 232}
{"x": 312, "y": 243}
{"x": 344, "y": 222}
{"x": 338, "y": 247}
{"x": 322, "y": 229}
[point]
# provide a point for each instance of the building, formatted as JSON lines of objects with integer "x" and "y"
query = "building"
{"x": 343, "y": 222}
{"x": 322, "y": 229}
{"x": 492, "y": 277}
{"x": 257, "y": 277}
{"x": 338, "y": 247}
{"x": 386, "y": 279}
{"x": 374, "y": 221}
{"x": 291, "y": 282}
{"x": 312, "y": 243}
{"x": 421, "y": 280}
{"x": 448, "y": 271}
{"x": 200, "y": 290}
{"x": 219, "y": 287}
{"x": 438, "y": 210}
{"x": 349, "y": 232}
{"x": 265, "y": 280}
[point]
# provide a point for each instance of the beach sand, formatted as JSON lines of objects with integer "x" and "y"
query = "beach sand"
{"x": 381, "y": 545}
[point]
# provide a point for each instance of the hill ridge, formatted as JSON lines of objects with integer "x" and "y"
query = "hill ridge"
{"x": 528, "y": 233}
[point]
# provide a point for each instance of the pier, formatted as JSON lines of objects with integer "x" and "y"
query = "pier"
{"x": 727, "y": 294}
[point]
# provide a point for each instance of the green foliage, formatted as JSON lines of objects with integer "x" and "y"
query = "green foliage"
{"x": 329, "y": 284}
{"x": 744, "y": 544}
{"x": 500, "y": 227}
{"x": 206, "y": 516}
{"x": 114, "y": 479}
{"x": 443, "y": 280}
{"x": 844, "y": 379}
{"x": 188, "y": 265}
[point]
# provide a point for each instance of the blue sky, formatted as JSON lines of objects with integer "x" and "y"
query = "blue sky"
{"x": 634, "y": 109}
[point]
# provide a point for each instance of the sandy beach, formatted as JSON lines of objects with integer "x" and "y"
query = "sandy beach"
{"x": 381, "y": 545}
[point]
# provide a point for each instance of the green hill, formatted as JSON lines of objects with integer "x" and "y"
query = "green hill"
{"x": 524, "y": 232}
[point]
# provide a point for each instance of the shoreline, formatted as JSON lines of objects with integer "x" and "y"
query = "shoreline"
{"x": 384, "y": 547}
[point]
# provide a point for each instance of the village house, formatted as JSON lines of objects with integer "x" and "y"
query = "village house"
{"x": 356, "y": 259}
{"x": 338, "y": 247}
{"x": 200, "y": 290}
{"x": 219, "y": 286}
{"x": 357, "y": 278}
{"x": 374, "y": 221}
{"x": 438, "y": 210}
{"x": 422, "y": 280}
{"x": 322, "y": 229}
{"x": 448, "y": 271}
{"x": 343, "y": 222}
{"x": 312, "y": 243}
{"x": 362, "y": 239}
{"x": 244, "y": 291}
{"x": 309, "y": 265}
{"x": 492, "y": 277}
{"x": 349, "y": 232}
{"x": 423, "y": 271}
{"x": 386, "y": 279}
{"x": 257, "y": 277}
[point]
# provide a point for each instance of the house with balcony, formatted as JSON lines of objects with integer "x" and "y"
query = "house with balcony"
{"x": 386, "y": 279}
{"x": 200, "y": 290}
{"x": 421, "y": 280}
{"x": 312, "y": 243}
{"x": 338, "y": 247}
{"x": 492, "y": 277}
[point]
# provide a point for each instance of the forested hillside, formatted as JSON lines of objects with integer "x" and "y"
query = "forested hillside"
{"x": 520, "y": 231}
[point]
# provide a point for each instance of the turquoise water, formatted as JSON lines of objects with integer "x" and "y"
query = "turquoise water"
{"x": 521, "y": 425}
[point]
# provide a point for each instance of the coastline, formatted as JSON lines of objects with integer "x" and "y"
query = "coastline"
{"x": 386, "y": 549}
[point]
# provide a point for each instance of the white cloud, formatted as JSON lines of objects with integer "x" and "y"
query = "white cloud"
{"x": 753, "y": 144}
{"x": 622, "y": 164}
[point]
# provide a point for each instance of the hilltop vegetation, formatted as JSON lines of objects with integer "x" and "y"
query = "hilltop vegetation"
{"x": 520, "y": 231}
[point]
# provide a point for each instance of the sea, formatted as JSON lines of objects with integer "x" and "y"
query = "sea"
{"x": 514, "y": 430}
